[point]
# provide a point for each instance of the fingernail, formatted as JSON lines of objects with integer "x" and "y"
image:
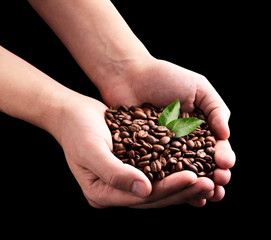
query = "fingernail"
{"x": 139, "y": 189}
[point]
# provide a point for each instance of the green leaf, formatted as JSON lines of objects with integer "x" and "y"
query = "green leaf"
{"x": 183, "y": 126}
{"x": 170, "y": 113}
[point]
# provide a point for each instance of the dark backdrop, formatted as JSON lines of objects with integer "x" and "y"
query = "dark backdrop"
{"x": 36, "y": 183}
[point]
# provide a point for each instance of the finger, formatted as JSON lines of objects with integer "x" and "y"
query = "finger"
{"x": 162, "y": 189}
{"x": 116, "y": 174}
{"x": 224, "y": 156}
{"x": 208, "y": 100}
{"x": 172, "y": 184}
{"x": 219, "y": 194}
{"x": 221, "y": 176}
{"x": 195, "y": 191}
{"x": 201, "y": 201}
{"x": 197, "y": 202}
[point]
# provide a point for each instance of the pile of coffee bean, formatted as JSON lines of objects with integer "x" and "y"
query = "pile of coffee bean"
{"x": 138, "y": 140}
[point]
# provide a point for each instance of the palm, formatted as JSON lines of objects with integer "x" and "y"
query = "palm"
{"x": 159, "y": 84}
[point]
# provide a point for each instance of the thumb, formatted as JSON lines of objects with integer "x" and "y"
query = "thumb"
{"x": 117, "y": 174}
{"x": 214, "y": 107}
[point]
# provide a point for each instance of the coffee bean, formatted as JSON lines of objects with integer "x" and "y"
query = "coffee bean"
{"x": 161, "y": 174}
{"x": 211, "y": 139}
{"x": 134, "y": 127}
{"x": 210, "y": 150}
{"x": 192, "y": 168}
{"x": 131, "y": 154}
{"x": 150, "y": 176}
{"x": 143, "y": 151}
{"x": 179, "y": 166}
{"x": 124, "y": 134}
{"x": 127, "y": 122}
{"x": 190, "y": 143}
{"x": 145, "y": 127}
{"x": 139, "y": 122}
{"x": 119, "y": 146}
{"x": 155, "y": 155}
{"x": 176, "y": 144}
{"x": 143, "y": 163}
{"x": 146, "y": 157}
{"x": 158, "y": 148}
{"x": 138, "y": 140}
{"x": 201, "y": 153}
{"x": 151, "y": 139}
{"x": 161, "y": 129}
{"x": 142, "y": 134}
{"x": 139, "y": 114}
{"x": 117, "y": 137}
{"x": 164, "y": 140}
{"x": 172, "y": 160}
{"x": 156, "y": 166}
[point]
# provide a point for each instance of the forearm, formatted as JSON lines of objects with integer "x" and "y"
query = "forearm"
{"x": 28, "y": 94}
{"x": 95, "y": 34}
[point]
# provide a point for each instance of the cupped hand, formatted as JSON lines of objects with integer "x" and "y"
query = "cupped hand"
{"x": 104, "y": 179}
{"x": 160, "y": 83}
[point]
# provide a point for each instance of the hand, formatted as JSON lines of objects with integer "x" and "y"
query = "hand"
{"x": 160, "y": 83}
{"x": 104, "y": 179}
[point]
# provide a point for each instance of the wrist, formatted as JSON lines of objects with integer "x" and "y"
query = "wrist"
{"x": 123, "y": 72}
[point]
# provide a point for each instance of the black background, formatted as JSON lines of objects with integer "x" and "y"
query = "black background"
{"x": 37, "y": 187}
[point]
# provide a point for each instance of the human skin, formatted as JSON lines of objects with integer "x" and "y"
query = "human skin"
{"x": 77, "y": 121}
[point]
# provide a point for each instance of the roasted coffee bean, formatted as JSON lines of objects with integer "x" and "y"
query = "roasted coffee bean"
{"x": 190, "y": 153}
{"x": 176, "y": 144}
{"x": 162, "y": 129}
{"x": 190, "y": 144}
{"x": 211, "y": 139}
{"x": 151, "y": 123}
{"x": 146, "y": 145}
{"x": 119, "y": 146}
{"x": 201, "y": 153}
{"x": 158, "y": 148}
{"x": 150, "y": 176}
{"x": 147, "y": 169}
{"x": 131, "y": 154}
{"x": 146, "y": 157}
{"x": 172, "y": 160}
{"x": 192, "y": 168}
{"x": 127, "y": 141}
{"x": 159, "y": 134}
{"x": 109, "y": 115}
{"x": 143, "y": 151}
{"x": 142, "y": 134}
{"x": 163, "y": 161}
{"x": 117, "y": 137}
{"x": 183, "y": 148}
{"x": 151, "y": 139}
{"x": 156, "y": 166}
{"x": 124, "y": 134}
{"x": 138, "y": 140}
{"x": 179, "y": 166}
{"x": 155, "y": 155}
{"x": 210, "y": 150}
{"x": 134, "y": 127}
{"x": 127, "y": 122}
{"x": 143, "y": 163}
{"x": 139, "y": 122}
{"x": 161, "y": 174}
{"x": 145, "y": 127}
{"x": 164, "y": 140}
{"x": 177, "y": 154}
{"x": 139, "y": 114}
